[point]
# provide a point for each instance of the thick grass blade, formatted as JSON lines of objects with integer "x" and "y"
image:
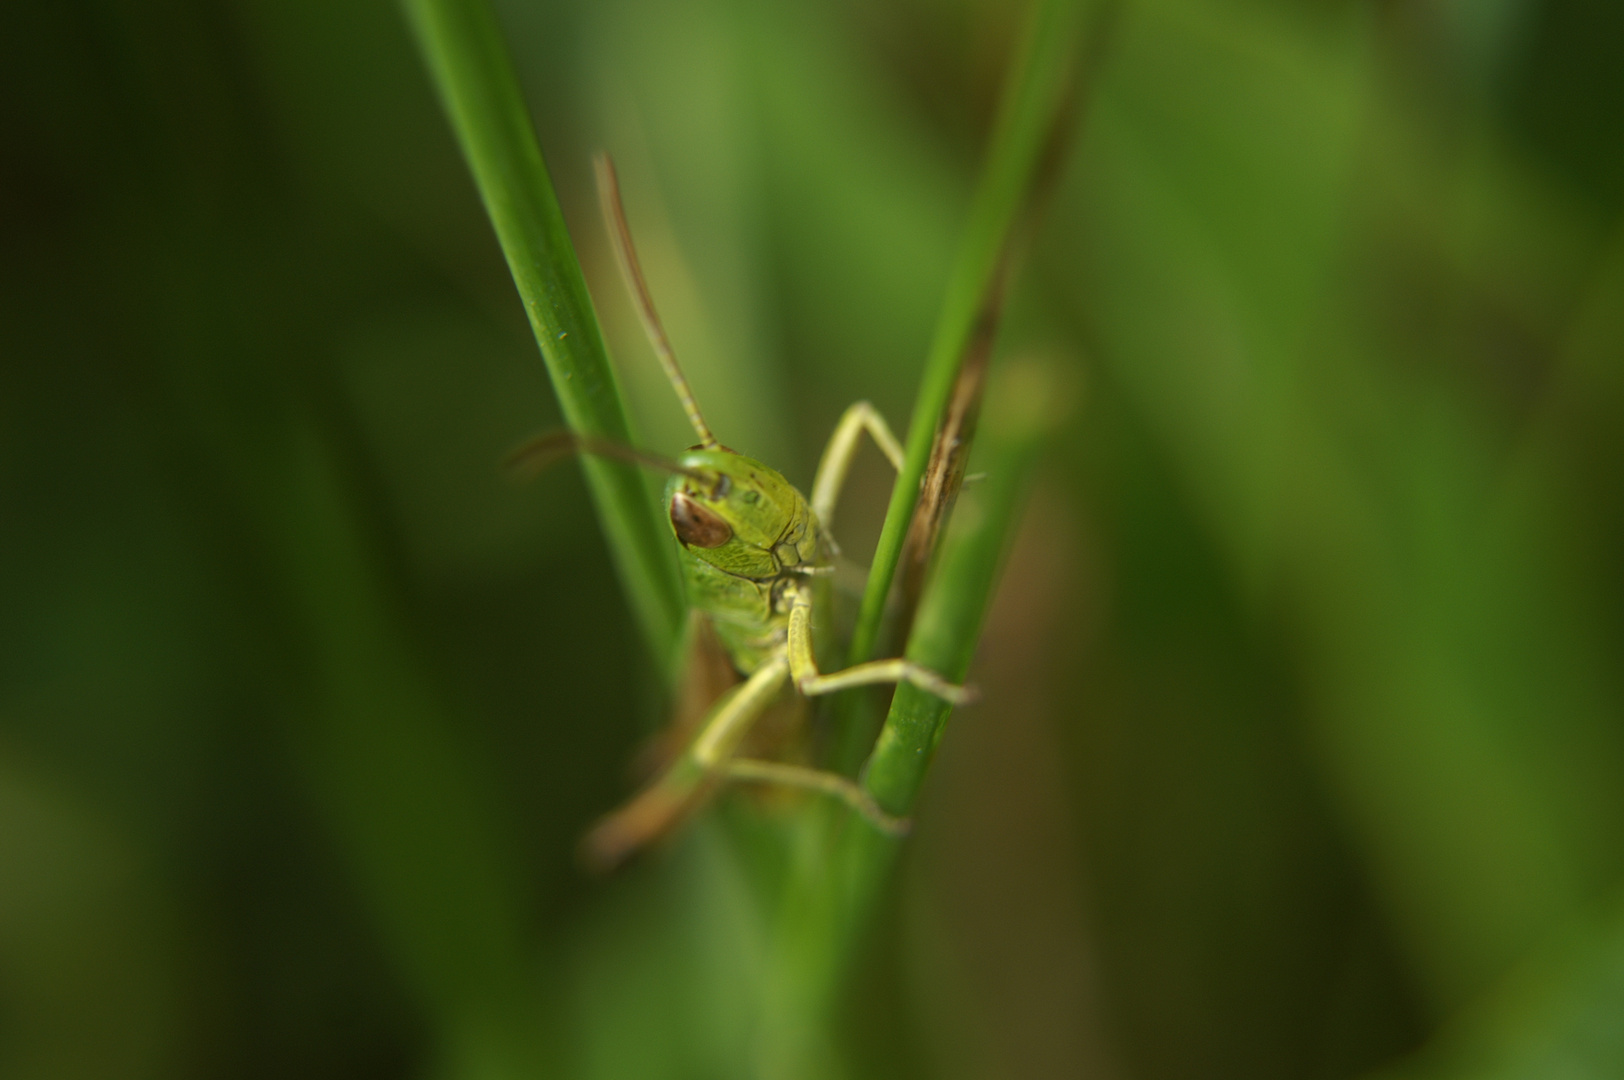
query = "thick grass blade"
{"x": 472, "y": 72}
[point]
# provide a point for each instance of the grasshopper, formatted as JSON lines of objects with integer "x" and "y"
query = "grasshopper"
{"x": 751, "y": 546}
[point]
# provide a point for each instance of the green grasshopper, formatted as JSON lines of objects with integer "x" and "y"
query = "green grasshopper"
{"x": 751, "y": 547}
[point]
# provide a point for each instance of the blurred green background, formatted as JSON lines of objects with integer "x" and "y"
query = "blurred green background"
{"x": 1301, "y": 750}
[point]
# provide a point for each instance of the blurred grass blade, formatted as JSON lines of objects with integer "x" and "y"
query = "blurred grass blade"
{"x": 463, "y": 49}
{"x": 1034, "y": 102}
{"x": 1554, "y": 1015}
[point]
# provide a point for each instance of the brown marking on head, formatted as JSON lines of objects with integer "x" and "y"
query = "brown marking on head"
{"x": 697, "y": 526}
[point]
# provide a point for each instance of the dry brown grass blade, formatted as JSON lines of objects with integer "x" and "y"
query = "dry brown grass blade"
{"x": 950, "y": 451}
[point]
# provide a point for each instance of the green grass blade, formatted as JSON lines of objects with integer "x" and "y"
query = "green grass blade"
{"x": 462, "y": 46}
{"x": 1020, "y": 412}
{"x": 1035, "y": 96}
{"x": 842, "y": 867}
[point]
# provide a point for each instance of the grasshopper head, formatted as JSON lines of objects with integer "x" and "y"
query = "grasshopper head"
{"x": 727, "y": 510}
{"x": 737, "y": 514}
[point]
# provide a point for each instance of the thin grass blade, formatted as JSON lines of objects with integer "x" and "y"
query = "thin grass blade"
{"x": 463, "y": 48}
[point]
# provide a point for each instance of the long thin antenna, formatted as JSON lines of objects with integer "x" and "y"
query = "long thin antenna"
{"x": 550, "y": 446}
{"x": 614, "y": 215}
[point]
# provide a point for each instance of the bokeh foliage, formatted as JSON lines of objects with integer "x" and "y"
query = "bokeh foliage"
{"x": 1301, "y": 751}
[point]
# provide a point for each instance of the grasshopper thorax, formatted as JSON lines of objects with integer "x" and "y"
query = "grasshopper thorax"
{"x": 738, "y": 515}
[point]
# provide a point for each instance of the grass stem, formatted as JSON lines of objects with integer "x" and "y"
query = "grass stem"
{"x": 1035, "y": 95}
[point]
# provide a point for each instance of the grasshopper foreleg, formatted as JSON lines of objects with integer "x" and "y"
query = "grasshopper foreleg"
{"x": 803, "y": 665}
{"x": 677, "y": 791}
{"x": 714, "y": 748}
{"x": 734, "y": 715}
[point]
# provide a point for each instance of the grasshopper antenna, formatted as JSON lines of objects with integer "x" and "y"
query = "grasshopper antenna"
{"x": 614, "y": 215}
{"x": 548, "y": 447}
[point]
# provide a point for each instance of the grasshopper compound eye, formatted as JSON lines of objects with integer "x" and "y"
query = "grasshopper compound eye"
{"x": 695, "y": 525}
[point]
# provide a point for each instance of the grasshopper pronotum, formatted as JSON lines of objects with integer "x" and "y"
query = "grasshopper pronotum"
{"x": 750, "y": 547}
